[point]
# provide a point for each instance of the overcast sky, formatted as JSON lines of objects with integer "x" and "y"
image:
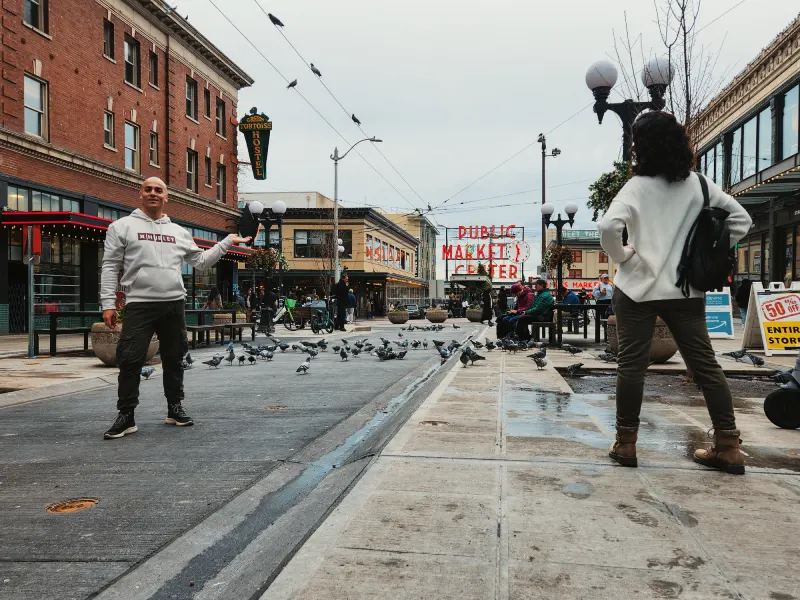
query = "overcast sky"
{"x": 453, "y": 88}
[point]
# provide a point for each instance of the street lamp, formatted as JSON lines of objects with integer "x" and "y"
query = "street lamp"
{"x": 601, "y": 77}
{"x": 336, "y": 158}
{"x": 547, "y": 213}
{"x": 268, "y": 217}
{"x": 553, "y": 154}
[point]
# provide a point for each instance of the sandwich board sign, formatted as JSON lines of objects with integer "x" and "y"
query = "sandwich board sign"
{"x": 719, "y": 314}
{"x": 773, "y": 319}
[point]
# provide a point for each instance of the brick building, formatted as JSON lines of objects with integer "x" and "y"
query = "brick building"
{"x": 98, "y": 95}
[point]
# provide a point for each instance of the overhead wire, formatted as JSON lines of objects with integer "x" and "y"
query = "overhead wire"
{"x": 307, "y": 101}
{"x": 346, "y": 112}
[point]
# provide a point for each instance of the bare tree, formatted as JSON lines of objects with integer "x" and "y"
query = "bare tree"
{"x": 325, "y": 255}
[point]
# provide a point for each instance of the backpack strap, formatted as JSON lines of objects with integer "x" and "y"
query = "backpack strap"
{"x": 704, "y": 186}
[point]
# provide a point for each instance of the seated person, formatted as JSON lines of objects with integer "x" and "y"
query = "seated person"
{"x": 540, "y": 311}
{"x": 570, "y": 297}
{"x": 524, "y": 298}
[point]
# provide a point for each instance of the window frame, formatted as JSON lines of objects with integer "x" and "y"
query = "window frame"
{"x": 789, "y": 119}
{"x": 221, "y": 183}
{"x": 222, "y": 130}
{"x": 207, "y": 103}
{"x": 43, "y": 116}
{"x": 109, "y": 135}
{"x": 207, "y": 167}
{"x": 577, "y": 256}
{"x": 152, "y": 69}
{"x": 191, "y": 161}
{"x": 130, "y": 42}
{"x": 602, "y": 258}
{"x": 109, "y": 43}
{"x": 191, "y": 102}
{"x": 42, "y": 13}
{"x": 153, "y": 149}
{"x": 136, "y": 150}
{"x": 575, "y": 274}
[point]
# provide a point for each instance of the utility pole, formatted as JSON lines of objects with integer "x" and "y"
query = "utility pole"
{"x": 335, "y": 243}
{"x": 554, "y": 154}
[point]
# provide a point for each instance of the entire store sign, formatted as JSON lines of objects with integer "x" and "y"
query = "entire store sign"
{"x": 773, "y": 320}
{"x": 487, "y": 245}
{"x": 256, "y": 129}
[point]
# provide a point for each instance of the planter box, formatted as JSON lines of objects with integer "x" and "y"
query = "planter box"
{"x": 105, "y": 340}
{"x": 398, "y": 317}
{"x": 474, "y": 315}
{"x": 662, "y": 349}
{"x": 436, "y": 315}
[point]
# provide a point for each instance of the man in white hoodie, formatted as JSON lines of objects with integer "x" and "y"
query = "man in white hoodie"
{"x": 150, "y": 250}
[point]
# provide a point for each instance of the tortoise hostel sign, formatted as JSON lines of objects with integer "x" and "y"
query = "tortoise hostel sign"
{"x": 483, "y": 244}
{"x": 256, "y": 129}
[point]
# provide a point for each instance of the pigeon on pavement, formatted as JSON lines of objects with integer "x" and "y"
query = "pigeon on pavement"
{"x": 401, "y": 355}
{"x": 425, "y": 344}
{"x": 783, "y": 376}
{"x": 147, "y": 371}
{"x": 213, "y": 362}
{"x": 464, "y": 358}
{"x": 242, "y": 359}
{"x": 736, "y": 354}
{"x": 608, "y": 357}
{"x": 252, "y": 359}
{"x": 541, "y": 363}
{"x": 343, "y": 354}
{"x": 573, "y": 369}
{"x": 231, "y": 356}
{"x": 456, "y": 326}
{"x": 304, "y": 366}
{"x": 473, "y": 356}
{"x": 756, "y": 360}
{"x": 188, "y": 358}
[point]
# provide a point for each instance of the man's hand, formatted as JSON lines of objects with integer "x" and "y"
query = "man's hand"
{"x": 241, "y": 240}
{"x": 110, "y": 318}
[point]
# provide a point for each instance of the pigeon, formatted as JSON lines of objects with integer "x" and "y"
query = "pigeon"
{"x": 297, "y": 347}
{"x": 292, "y": 84}
{"x": 147, "y": 371}
{"x": 573, "y": 350}
{"x": 403, "y": 344}
{"x": 304, "y": 366}
{"x": 214, "y": 362}
{"x": 188, "y": 358}
{"x": 184, "y": 364}
{"x": 313, "y": 353}
{"x": 477, "y": 344}
{"x": 401, "y": 355}
{"x": 252, "y": 359}
{"x": 490, "y": 345}
{"x": 541, "y": 363}
{"x": 269, "y": 355}
{"x": 473, "y": 356}
{"x": 573, "y": 369}
{"x": 608, "y": 357}
{"x": 231, "y": 356}
{"x": 438, "y": 344}
{"x": 456, "y": 326}
{"x": 315, "y": 70}
{"x": 241, "y": 359}
{"x": 783, "y": 377}
{"x": 263, "y": 354}
{"x": 336, "y": 348}
{"x": 415, "y": 344}
{"x": 464, "y": 358}
{"x": 229, "y": 347}
{"x": 387, "y": 355}
{"x": 345, "y": 342}
{"x": 309, "y": 344}
{"x": 756, "y": 360}
{"x": 355, "y": 119}
{"x": 356, "y": 351}
{"x": 275, "y": 20}
{"x": 737, "y": 355}
{"x": 536, "y": 355}
{"x": 284, "y": 347}
{"x": 399, "y": 334}
{"x": 425, "y": 344}
{"x": 444, "y": 353}
{"x": 343, "y": 354}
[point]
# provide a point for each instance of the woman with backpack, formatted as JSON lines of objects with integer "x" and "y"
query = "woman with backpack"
{"x": 659, "y": 207}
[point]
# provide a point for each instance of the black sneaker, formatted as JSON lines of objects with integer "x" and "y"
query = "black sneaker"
{"x": 121, "y": 427}
{"x": 177, "y": 416}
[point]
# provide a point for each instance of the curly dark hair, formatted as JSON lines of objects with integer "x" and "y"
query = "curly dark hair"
{"x": 661, "y": 146}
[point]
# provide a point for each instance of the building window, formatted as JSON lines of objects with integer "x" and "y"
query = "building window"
{"x": 191, "y": 98}
{"x": 105, "y": 212}
{"x": 208, "y": 170}
{"x": 718, "y": 162}
{"x": 736, "y": 157}
{"x": 17, "y": 199}
{"x": 791, "y": 116}
{"x": 191, "y": 170}
{"x": 221, "y": 182}
{"x": 603, "y": 258}
{"x": 35, "y": 106}
{"x": 41, "y": 201}
{"x": 749, "y": 148}
{"x": 576, "y": 273}
{"x": 132, "y": 74}
{"x": 131, "y": 146}
{"x": 153, "y": 69}
{"x": 764, "y": 139}
{"x": 577, "y": 256}
{"x": 153, "y": 148}
{"x": 36, "y": 14}
{"x": 274, "y": 239}
{"x": 108, "y": 39}
{"x": 221, "y": 129}
{"x": 207, "y": 103}
{"x": 308, "y": 244}
{"x": 108, "y": 129}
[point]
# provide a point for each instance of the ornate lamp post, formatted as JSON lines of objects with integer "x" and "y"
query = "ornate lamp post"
{"x": 547, "y": 212}
{"x": 553, "y": 154}
{"x": 601, "y": 77}
{"x": 268, "y": 217}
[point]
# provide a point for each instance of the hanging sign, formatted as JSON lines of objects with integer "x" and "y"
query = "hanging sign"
{"x": 256, "y": 129}
{"x": 773, "y": 320}
{"x": 501, "y": 249}
{"x": 719, "y": 314}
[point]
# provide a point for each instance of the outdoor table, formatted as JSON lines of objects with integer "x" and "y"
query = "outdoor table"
{"x": 584, "y": 308}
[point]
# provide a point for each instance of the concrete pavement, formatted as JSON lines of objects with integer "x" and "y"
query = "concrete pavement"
{"x": 499, "y": 487}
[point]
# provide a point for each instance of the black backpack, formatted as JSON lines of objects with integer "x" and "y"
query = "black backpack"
{"x": 707, "y": 259}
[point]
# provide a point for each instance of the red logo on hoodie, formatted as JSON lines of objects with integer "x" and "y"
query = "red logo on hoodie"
{"x": 157, "y": 237}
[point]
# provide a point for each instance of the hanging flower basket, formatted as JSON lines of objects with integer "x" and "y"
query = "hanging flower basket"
{"x": 267, "y": 259}
{"x": 558, "y": 254}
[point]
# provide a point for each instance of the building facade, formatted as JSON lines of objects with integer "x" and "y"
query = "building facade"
{"x": 747, "y": 140}
{"x": 98, "y": 95}
{"x": 589, "y": 261}
{"x": 422, "y": 229}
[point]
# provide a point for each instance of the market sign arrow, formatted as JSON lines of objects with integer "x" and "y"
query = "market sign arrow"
{"x": 256, "y": 129}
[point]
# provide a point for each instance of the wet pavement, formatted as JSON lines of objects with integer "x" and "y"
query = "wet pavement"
{"x": 499, "y": 486}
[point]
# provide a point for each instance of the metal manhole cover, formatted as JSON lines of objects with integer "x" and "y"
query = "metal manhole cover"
{"x": 276, "y": 407}
{"x": 74, "y": 505}
{"x": 434, "y": 423}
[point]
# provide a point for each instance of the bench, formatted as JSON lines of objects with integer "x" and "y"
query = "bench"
{"x": 205, "y": 333}
{"x": 538, "y": 327}
{"x": 235, "y": 328}
{"x": 63, "y": 331}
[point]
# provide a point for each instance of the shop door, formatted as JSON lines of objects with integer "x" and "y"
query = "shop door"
{"x": 17, "y": 290}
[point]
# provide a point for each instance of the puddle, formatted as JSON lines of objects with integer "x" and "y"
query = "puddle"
{"x": 578, "y": 490}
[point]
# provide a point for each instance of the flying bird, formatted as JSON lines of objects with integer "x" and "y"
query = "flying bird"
{"x": 275, "y": 20}
{"x": 315, "y": 70}
{"x": 213, "y": 362}
{"x": 292, "y": 84}
{"x": 573, "y": 369}
{"x": 147, "y": 371}
{"x": 304, "y": 366}
{"x": 355, "y": 120}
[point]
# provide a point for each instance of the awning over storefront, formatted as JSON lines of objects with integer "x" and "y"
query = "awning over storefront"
{"x": 778, "y": 181}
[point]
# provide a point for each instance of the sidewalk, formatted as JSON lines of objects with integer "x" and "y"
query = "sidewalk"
{"x": 499, "y": 487}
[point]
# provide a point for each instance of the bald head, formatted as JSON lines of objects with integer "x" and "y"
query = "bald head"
{"x": 152, "y": 197}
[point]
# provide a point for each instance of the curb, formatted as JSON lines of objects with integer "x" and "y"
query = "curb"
{"x": 51, "y": 391}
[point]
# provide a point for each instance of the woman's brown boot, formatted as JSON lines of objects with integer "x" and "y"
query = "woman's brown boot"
{"x": 624, "y": 448}
{"x": 724, "y": 454}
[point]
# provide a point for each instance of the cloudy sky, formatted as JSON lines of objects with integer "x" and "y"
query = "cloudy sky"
{"x": 454, "y": 89}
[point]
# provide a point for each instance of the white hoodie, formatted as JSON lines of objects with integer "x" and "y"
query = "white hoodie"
{"x": 659, "y": 215}
{"x": 150, "y": 255}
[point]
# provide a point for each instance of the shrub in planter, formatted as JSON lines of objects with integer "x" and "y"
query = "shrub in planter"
{"x": 436, "y": 315}
{"x": 105, "y": 340}
{"x": 474, "y": 314}
{"x": 398, "y": 317}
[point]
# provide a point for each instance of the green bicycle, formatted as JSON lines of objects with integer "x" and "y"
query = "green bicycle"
{"x": 285, "y": 316}
{"x": 322, "y": 321}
